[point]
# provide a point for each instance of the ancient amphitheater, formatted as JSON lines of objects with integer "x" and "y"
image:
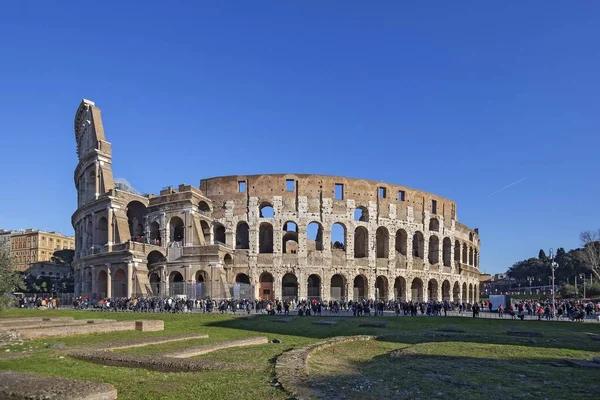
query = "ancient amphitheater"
{"x": 275, "y": 236}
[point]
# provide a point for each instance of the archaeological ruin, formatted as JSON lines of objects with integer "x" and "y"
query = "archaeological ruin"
{"x": 274, "y": 236}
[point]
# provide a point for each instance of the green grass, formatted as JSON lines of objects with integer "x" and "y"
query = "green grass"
{"x": 484, "y": 362}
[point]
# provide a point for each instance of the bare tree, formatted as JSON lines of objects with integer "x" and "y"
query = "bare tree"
{"x": 591, "y": 250}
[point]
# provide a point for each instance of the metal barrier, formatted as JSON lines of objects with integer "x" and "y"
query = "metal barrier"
{"x": 237, "y": 291}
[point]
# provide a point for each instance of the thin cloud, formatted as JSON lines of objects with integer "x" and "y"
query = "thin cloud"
{"x": 506, "y": 187}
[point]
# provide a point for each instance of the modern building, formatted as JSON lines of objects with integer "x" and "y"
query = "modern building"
{"x": 284, "y": 236}
{"x": 30, "y": 246}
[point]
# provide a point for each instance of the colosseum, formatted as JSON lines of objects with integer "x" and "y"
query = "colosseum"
{"x": 274, "y": 236}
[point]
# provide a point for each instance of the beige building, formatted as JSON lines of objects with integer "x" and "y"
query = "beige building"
{"x": 31, "y": 246}
{"x": 285, "y": 236}
{"x": 5, "y": 241}
{"x": 49, "y": 269}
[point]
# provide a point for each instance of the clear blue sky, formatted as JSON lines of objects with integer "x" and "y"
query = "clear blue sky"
{"x": 457, "y": 98}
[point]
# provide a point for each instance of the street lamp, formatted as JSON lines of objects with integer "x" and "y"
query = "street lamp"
{"x": 553, "y": 266}
{"x": 530, "y": 279}
{"x": 582, "y": 276}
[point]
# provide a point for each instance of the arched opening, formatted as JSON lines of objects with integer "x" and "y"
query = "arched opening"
{"x": 201, "y": 277}
{"x": 338, "y": 287}
{"x": 400, "y": 288}
{"x": 242, "y": 278}
{"x": 446, "y": 291}
{"x": 418, "y": 245}
{"x": 289, "y": 240}
{"x": 465, "y": 254}
{"x": 381, "y": 286}
{"x": 434, "y": 250}
{"x": 219, "y": 233}
{"x": 266, "y": 286}
{"x": 457, "y": 252}
{"x": 102, "y": 232}
{"x": 447, "y": 252}
{"x": 155, "y": 283}
{"x": 88, "y": 282}
{"x": 314, "y": 237}
{"x": 470, "y": 236}
{"x": 136, "y": 213}
{"x": 266, "y": 210}
{"x": 456, "y": 292}
{"x": 119, "y": 284}
{"x": 314, "y": 287}
{"x": 416, "y": 289}
{"x": 91, "y": 185}
{"x": 228, "y": 260}
{"x": 361, "y": 214}
{"x": 102, "y": 283}
{"x": 382, "y": 237}
{"x": 475, "y": 293}
{"x": 265, "y": 238}
{"x": 361, "y": 242}
{"x": 338, "y": 237}
{"x": 434, "y": 225}
{"x": 470, "y": 293}
{"x": 242, "y": 236}
{"x": 177, "y": 229}
{"x": 476, "y": 259}
{"x": 465, "y": 294}
{"x": 155, "y": 258}
{"x": 205, "y": 231}
{"x": 432, "y": 290}
{"x": 176, "y": 284}
{"x": 289, "y": 287}
{"x": 401, "y": 241}
{"x": 203, "y": 208}
{"x": 361, "y": 290}
{"x": 155, "y": 233}
{"x": 470, "y": 256}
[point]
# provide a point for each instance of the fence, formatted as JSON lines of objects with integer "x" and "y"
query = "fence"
{"x": 237, "y": 291}
{"x": 63, "y": 299}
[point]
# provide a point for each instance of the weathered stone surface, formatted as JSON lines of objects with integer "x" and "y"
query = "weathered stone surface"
{"x": 99, "y": 326}
{"x": 141, "y": 342}
{"x": 19, "y": 386}
{"x": 150, "y": 325}
{"x": 583, "y": 363}
{"x": 17, "y": 321}
{"x": 208, "y": 348}
{"x": 52, "y": 324}
{"x": 292, "y": 366}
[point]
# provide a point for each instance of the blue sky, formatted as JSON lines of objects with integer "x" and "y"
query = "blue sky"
{"x": 457, "y": 98}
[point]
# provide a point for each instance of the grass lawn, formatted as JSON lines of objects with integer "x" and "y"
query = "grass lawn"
{"x": 411, "y": 359}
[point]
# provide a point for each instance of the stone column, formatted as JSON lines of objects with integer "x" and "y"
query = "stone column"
{"x": 277, "y": 286}
{"x": 302, "y": 251}
{"x": 96, "y": 180}
{"x": 302, "y": 285}
{"x": 109, "y": 277}
{"x": 440, "y": 292}
{"x": 111, "y": 227}
{"x": 392, "y": 245}
{"x": 129, "y": 279}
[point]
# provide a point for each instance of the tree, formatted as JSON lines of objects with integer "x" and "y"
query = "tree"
{"x": 10, "y": 280}
{"x": 542, "y": 255}
{"x": 591, "y": 250}
{"x": 64, "y": 256}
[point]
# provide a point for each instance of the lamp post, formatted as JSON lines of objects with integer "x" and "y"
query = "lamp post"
{"x": 582, "y": 276}
{"x": 530, "y": 279}
{"x": 553, "y": 266}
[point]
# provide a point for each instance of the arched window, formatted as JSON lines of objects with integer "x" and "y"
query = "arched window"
{"x": 290, "y": 238}
{"x": 203, "y": 208}
{"x": 418, "y": 245}
{"x": 265, "y": 237}
{"x": 361, "y": 214}
{"x": 434, "y": 225}
{"x": 219, "y": 233}
{"x": 383, "y": 242}
{"x": 338, "y": 236}
{"x": 447, "y": 252}
{"x": 101, "y": 232}
{"x": 242, "y": 236}
{"x": 177, "y": 229}
{"x": 361, "y": 242}
{"x": 314, "y": 237}
{"x": 401, "y": 241}
{"x": 136, "y": 213}
{"x": 266, "y": 210}
{"x": 434, "y": 250}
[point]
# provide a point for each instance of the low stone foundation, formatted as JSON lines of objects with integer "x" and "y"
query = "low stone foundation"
{"x": 52, "y": 324}
{"x": 196, "y": 351}
{"x": 98, "y": 326}
{"x": 18, "y": 386}
{"x": 17, "y": 321}
{"x": 150, "y": 325}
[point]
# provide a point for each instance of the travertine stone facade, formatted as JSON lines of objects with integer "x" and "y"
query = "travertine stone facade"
{"x": 288, "y": 235}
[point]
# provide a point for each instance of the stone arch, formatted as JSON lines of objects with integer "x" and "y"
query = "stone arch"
{"x": 228, "y": 260}
{"x": 154, "y": 258}
{"x": 266, "y": 283}
{"x": 242, "y": 278}
{"x": 470, "y": 236}
{"x": 432, "y": 289}
{"x": 447, "y": 252}
{"x": 201, "y": 277}
{"x": 265, "y": 238}
{"x": 416, "y": 289}
{"x": 242, "y": 235}
{"x": 476, "y": 258}
{"x": 266, "y": 210}
{"x": 177, "y": 229}
{"x": 314, "y": 236}
{"x": 400, "y": 288}
{"x": 102, "y": 285}
{"x": 465, "y": 256}
{"x": 418, "y": 245}
{"x": 338, "y": 287}
{"x": 205, "y": 231}
{"x": 361, "y": 242}
{"x": 434, "y": 250}
{"x": 119, "y": 283}
{"x": 102, "y": 232}
{"x": 176, "y": 283}
{"x": 382, "y": 286}
{"x": 314, "y": 287}
{"x": 434, "y": 225}
{"x": 401, "y": 241}
{"x": 456, "y": 292}
{"x": 470, "y": 256}
{"x": 470, "y": 293}
{"x": 154, "y": 280}
{"x": 289, "y": 287}
{"x": 155, "y": 233}
{"x": 290, "y": 238}
{"x": 361, "y": 287}
{"x": 338, "y": 236}
{"x": 136, "y": 214}
{"x": 204, "y": 208}
{"x": 446, "y": 291}
{"x": 382, "y": 237}
{"x": 465, "y": 294}
{"x": 457, "y": 252}
{"x": 219, "y": 233}
{"x": 361, "y": 214}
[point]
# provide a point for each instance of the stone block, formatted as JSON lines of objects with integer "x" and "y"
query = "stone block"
{"x": 148, "y": 325}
